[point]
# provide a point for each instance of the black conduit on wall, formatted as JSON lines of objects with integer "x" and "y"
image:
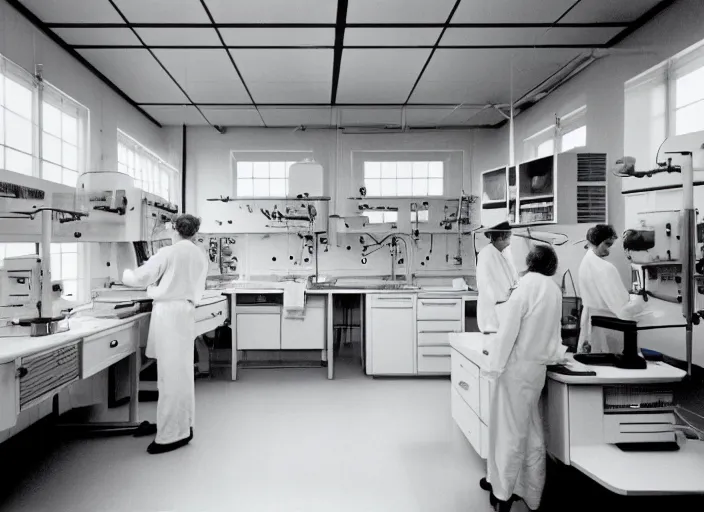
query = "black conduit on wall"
{"x": 183, "y": 171}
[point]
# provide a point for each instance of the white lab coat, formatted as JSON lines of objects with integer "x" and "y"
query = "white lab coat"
{"x": 603, "y": 294}
{"x": 496, "y": 276}
{"x": 175, "y": 277}
{"x": 527, "y": 341}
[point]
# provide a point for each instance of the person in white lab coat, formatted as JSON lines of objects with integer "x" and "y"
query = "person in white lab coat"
{"x": 496, "y": 277}
{"x": 175, "y": 277}
{"x": 603, "y": 293}
{"x": 527, "y": 341}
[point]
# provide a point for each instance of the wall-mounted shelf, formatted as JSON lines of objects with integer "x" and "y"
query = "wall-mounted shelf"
{"x": 545, "y": 197}
{"x": 419, "y": 199}
{"x": 246, "y": 199}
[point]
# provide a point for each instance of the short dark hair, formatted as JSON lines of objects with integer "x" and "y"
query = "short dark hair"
{"x": 498, "y": 235}
{"x": 187, "y": 225}
{"x": 600, "y": 233}
{"x": 543, "y": 260}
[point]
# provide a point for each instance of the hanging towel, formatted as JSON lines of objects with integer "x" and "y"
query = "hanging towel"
{"x": 294, "y": 299}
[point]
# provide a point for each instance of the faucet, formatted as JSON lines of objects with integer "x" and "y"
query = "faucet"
{"x": 394, "y": 256}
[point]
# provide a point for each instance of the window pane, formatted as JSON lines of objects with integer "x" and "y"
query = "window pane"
{"x": 18, "y": 133}
{"x": 420, "y": 187}
{"x": 373, "y": 187}
{"x": 277, "y": 169}
{"x": 388, "y": 187}
{"x": 278, "y": 187}
{"x": 70, "y": 156}
{"x": 388, "y": 170}
{"x": 69, "y": 266}
{"x": 122, "y": 168}
{"x": 18, "y": 98}
{"x": 55, "y": 266}
{"x": 244, "y": 169}
{"x": 546, "y": 148}
{"x": 372, "y": 170}
{"x": 22, "y": 249}
{"x": 69, "y": 178}
{"x": 404, "y": 169}
{"x": 435, "y": 169}
{"x": 261, "y": 187}
{"x": 261, "y": 170}
{"x": 51, "y": 172}
{"x": 52, "y": 119}
{"x": 375, "y": 217}
{"x": 434, "y": 187}
{"x": 69, "y": 129}
{"x": 121, "y": 153}
{"x": 575, "y": 139}
{"x": 690, "y": 88}
{"x": 18, "y": 162}
{"x": 690, "y": 119}
{"x": 55, "y": 248}
{"x": 69, "y": 248}
{"x": 2, "y": 101}
{"x": 245, "y": 187}
{"x": 404, "y": 187}
{"x": 420, "y": 169}
{"x": 70, "y": 290}
{"x": 51, "y": 151}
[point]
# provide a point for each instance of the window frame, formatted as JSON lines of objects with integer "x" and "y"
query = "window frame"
{"x": 563, "y": 125}
{"x": 287, "y": 157}
{"x": 144, "y": 159}
{"x": 11, "y": 71}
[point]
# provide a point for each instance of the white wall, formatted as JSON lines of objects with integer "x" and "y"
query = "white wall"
{"x": 26, "y": 46}
{"x": 601, "y": 88}
{"x": 209, "y": 175}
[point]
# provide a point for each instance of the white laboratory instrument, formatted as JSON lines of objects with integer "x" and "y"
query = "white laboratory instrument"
{"x": 305, "y": 178}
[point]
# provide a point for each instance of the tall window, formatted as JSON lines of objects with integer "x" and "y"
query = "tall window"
{"x": 150, "y": 173}
{"x": 64, "y": 267}
{"x": 16, "y": 114}
{"x": 262, "y": 179}
{"x": 414, "y": 179}
{"x": 664, "y": 101}
{"x": 568, "y": 132}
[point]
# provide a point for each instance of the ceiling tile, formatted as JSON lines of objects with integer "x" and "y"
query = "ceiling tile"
{"x": 98, "y": 36}
{"x": 176, "y": 115}
{"x": 296, "y": 116}
{"x": 207, "y": 75}
{"x": 273, "y": 11}
{"x": 232, "y": 116}
{"x": 399, "y": 11}
{"x": 596, "y": 11}
{"x": 484, "y": 76}
{"x": 73, "y": 11}
{"x": 179, "y": 36}
{"x": 527, "y": 36}
{"x": 379, "y": 76}
{"x": 286, "y": 76}
{"x": 137, "y": 73}
{"x": 391, "y": 36}
{"x": 162, "y": 11}
{"x": 368, "y": 116}
{"x": 511, "y": 11}
{"x": 436, "y": 116}
{"x": 278, "y": 36}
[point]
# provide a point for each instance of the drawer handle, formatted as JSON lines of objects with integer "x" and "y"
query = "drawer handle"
{"x": 22, "y": 372}
{"x": 114, "y": 343}
{"x": 436, "y": 355}
{"x": 216, "y": 314}
{"x": 464, "y": 385}
{"x": 444, "y": 304}
{"x": 397, "y": 299}
{"x": 436, "y": 332}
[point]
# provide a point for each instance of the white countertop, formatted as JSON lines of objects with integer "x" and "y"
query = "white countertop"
{"x": 643, "y": 473}
{"x": 81, "y": 327}
{"x": 471, "y": 345}
{"x": 656, "y": 372}
{"x": 352, "y": 291}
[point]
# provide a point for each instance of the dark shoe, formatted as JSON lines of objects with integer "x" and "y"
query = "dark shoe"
{"x": 485, "y": 485}
{"x": 145, "y": 429}
{"x": 500, "y": 506}
{"x": 156, "y": 448}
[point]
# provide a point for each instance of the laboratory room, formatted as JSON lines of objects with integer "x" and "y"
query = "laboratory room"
{"x": 351, "y": 255}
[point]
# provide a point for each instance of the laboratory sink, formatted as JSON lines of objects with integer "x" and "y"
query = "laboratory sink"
{"x": 362, "y": 284}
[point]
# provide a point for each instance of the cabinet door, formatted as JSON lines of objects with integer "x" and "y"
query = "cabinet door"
{"x": 8, "y": 396}
{"x": 258, "y": 331}
{"x": 392, "y": 341}
{"x": 307, "y": 333}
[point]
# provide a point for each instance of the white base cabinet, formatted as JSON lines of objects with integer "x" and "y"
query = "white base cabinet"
{"x": 391, "y": 334}
{"x": 437, "y": 318}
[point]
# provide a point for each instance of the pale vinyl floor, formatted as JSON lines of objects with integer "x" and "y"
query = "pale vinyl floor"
{"x": 277, "y": 440}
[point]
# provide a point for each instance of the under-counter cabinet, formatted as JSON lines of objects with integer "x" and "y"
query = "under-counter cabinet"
{"x": 391, "y": 334}
{"x": 307, "y": 333}
{"x": 258, "y": 327}
{"x": 437, "y": 318}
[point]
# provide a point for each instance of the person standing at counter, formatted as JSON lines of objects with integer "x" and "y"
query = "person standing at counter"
{"x": 175, "y": 280}
{"x": 496, "y": 276}
{"x": 527, "y": 341}
{"x": 603, "y": 292}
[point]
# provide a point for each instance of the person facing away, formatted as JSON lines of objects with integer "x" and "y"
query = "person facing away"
{"x": 496, "y": 277}
{"x": 603, "y": 293}
{"x": 527, "y": 341}
{"x": 175, "y": 280}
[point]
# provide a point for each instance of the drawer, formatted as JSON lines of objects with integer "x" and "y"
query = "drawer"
{"x": 105, "y": 349}
{"x": 210, "y": 311}
{"x": 440, "y": 309}
{"x": 434, "y": 360}
{"x": 486, "y": 392}
{"x": 438, "y": 326}
{"x": 639, "y": 428}
{"x": 466, "y": 420}
{"x": 44, "y": 374}
{"x": 465, "y": 379}
{"x": 433, "y": 339}
{"x": 391, "y": 300}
